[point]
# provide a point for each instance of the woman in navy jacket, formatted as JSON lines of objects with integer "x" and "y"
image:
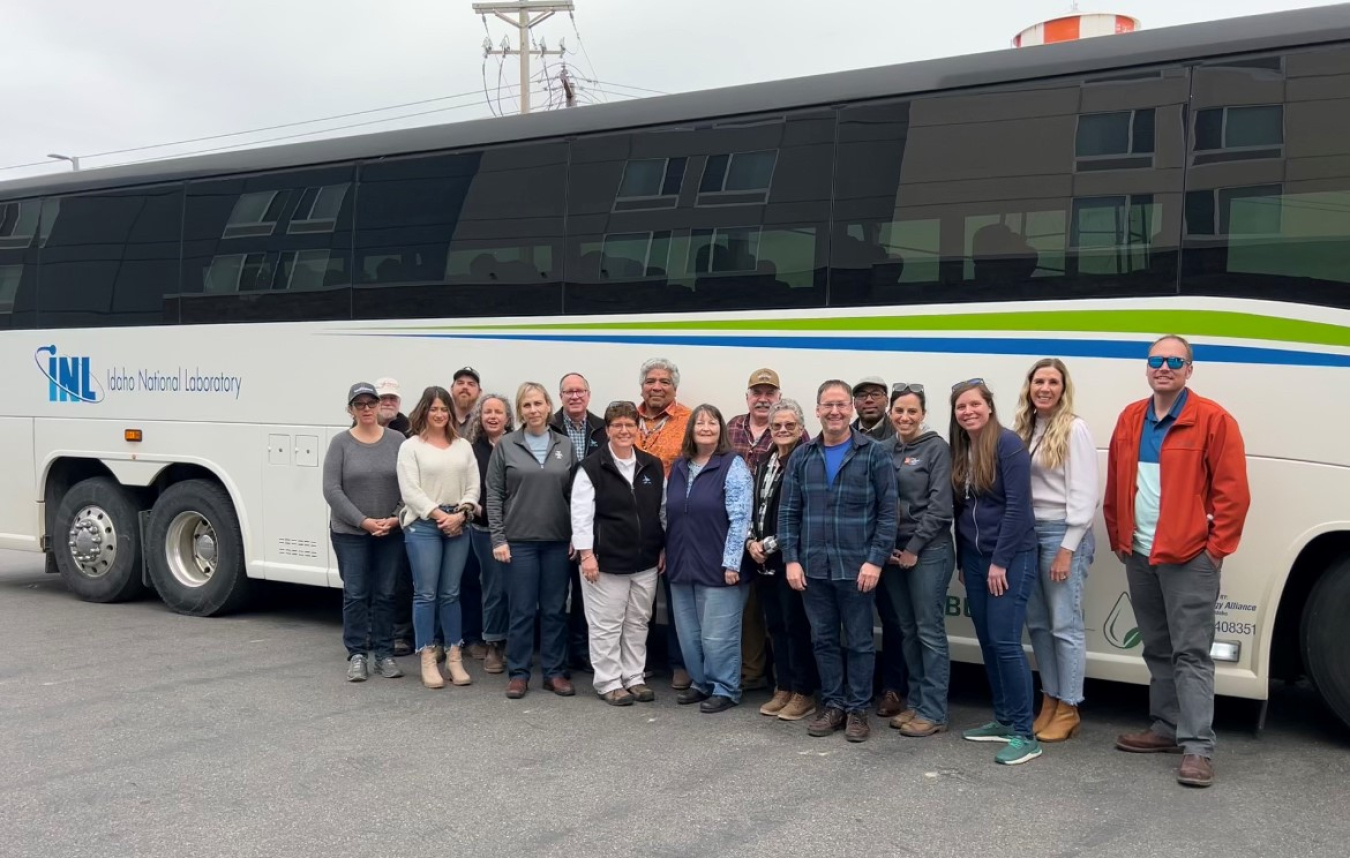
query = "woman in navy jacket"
{"x": 996, "y": 544}
{"x": 708, "y": 517}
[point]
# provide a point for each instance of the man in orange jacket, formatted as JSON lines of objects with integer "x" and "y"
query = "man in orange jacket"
{"x": 1173, "y": 541}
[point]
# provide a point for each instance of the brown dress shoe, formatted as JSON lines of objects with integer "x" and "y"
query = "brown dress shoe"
{"x": 830, "y": 720}
{"x": 1147, "y": 742}
{"x": 891, "y": 704}
{"x": 800, "y": 706}
{"x": 1196, "y": 771}
{"x": 560, "y": 685}
{"x": 918, "y": 728}
{"x": 858, "y": 728}
{"x": 516, "y": 688}
{"x": 680, "y": 679}
{"x": 775, "y": 705}
{"x": 1048, "y": 706}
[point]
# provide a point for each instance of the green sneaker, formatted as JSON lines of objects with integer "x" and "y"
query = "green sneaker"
{"x": 1018, "y": 751}
{"x": 991, "y": 732}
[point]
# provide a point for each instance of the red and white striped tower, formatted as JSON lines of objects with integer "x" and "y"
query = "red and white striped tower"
{"x": 1071, "y": 28}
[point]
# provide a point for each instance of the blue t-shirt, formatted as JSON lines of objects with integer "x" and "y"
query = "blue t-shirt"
{"x": 834, "y": 458}
{"x": 538, "y": 445}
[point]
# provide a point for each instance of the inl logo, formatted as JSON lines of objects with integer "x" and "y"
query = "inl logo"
{"x": 69, "y": 379}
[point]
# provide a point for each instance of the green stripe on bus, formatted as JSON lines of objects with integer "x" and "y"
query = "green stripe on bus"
{"x": 1209, "y": 323}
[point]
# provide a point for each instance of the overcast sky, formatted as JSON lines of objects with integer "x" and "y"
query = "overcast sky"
{"x": 81, "y": 77}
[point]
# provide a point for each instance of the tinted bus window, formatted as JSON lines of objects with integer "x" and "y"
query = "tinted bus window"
{"x": 1268, "y": 192}
{"x": 269, "y": 248}
{"x": 110, "y": 258}
{"x": 19, "y": 243}
{"x": 1055, "y": 189}
{"x": 718, "y": 216}
{"x": 467, "y": 234}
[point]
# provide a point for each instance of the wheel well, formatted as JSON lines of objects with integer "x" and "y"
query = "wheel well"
{"x": 1286, "y": 656}
{"x": 66, "y": 472}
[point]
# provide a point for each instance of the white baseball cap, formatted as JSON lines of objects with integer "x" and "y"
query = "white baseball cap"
{"x": 386, "y": 387}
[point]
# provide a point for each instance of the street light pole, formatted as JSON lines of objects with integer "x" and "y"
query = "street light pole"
{"x": 73, "y": 159}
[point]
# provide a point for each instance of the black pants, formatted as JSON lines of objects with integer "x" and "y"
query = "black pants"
{"x": 794, "y": 662}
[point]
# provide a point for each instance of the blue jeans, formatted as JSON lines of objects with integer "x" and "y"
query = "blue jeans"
{"x": 492, "y": 578}
{"x": 709, "y": 623}
{"x": 1055, "y": 616}
{"x": 998, "y": 625}
{"x": 368, "y": 566}
{"x": 918, "y": 598}
{"x": 830, "y": 605}
{"x": 536, "y": 581}
{"x": 794, "y": 665}
{"x": 437, "y": 564}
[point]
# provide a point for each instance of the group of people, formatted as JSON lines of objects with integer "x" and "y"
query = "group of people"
{"x": 756, "y": 531}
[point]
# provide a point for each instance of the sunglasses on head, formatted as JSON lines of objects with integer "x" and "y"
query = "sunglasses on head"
{"x": 905, "y": 387}
{"x": 1173, "y": 363}
{"x": 969, "y": 381}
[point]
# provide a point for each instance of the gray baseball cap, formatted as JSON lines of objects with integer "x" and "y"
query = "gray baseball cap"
{"x": 361, "y": 388}
{"x": 870, "y": 381}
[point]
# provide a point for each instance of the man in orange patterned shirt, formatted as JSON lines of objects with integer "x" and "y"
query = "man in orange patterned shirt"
{"x": 661, "y": 425}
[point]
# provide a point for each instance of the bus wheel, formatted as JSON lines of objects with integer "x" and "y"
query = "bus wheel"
{"x": 97, "y": 541}
{"x": 196, "y": 550}
{"x": 1326, "y": 649}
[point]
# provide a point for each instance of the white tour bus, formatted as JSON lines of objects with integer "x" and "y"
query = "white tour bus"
{"x": 181, "y": 334}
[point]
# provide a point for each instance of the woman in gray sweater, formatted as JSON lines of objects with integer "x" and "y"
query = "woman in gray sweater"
{"x": 529, "y": 479}
{"x": 914, "y": 583}
{"x": 360, "y": 484}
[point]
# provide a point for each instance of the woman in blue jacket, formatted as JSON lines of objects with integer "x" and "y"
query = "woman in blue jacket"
{"x": 996, "y": 545}
{"x": 708, "y": 518}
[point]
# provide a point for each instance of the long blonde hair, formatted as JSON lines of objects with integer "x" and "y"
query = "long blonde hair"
{"x": 1054, "y": 446}
{"x": 977, "y": 463}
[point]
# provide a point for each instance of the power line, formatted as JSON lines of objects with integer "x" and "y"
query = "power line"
{"x": 626, "y": 86}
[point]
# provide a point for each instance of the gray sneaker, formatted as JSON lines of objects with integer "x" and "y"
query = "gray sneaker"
{"x": 356, "y": 669}
{"x": 388, "y": 668}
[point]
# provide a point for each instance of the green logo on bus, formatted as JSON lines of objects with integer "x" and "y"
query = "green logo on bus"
{"x": 1121, "y": 630}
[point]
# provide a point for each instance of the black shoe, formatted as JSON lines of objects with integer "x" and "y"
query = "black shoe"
{"x": 690, "y": 695}
{"x": 714, "y": 704}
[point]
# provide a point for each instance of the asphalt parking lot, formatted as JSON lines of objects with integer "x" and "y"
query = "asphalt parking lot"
{"x": 132, "y": 731}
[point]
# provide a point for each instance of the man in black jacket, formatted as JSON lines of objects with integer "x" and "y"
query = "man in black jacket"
{"x": 587, "y": 433}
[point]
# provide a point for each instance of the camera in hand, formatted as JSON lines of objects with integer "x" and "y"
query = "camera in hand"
{"x": 769, "y": 544}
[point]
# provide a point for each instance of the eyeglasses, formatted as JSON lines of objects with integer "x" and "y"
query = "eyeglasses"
{"x": 969, "y": 381}
{"x": 870, "y": 393}
{"x": 575, "y": 391}
{"x": 365, "y": 404}
{"x": 905, "y": 387}
{"x": 1173, "y": 363}
{"x": 835, "y": 406}
{"x": 783, "y": 427}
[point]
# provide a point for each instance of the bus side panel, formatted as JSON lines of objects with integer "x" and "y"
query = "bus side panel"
{"x": 18, "y": 503}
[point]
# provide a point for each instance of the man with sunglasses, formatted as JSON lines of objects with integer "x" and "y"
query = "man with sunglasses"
{"x": 1176, "y": 501}
{"x": 869, "y": 400}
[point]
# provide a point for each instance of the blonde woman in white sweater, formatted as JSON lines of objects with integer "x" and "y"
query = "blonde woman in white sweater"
{"x": 438, "y": 480}
{"x": 1064, "y": 495}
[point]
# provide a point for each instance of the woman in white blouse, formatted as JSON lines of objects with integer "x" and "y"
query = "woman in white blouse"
{"x": 1064, "y": 495}
{"x": 438, "y": 479}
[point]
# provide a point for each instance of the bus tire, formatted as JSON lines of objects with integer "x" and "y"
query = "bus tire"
{"x": 97, "y": 541}
{"x": 1326, "y": 648}
{"x": 196, "y": 550}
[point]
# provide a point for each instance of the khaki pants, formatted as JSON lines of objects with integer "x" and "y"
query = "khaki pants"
{"x": 618, "y": 609}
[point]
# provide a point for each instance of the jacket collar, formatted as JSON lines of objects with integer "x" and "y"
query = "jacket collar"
{"x": 592, "y": 421}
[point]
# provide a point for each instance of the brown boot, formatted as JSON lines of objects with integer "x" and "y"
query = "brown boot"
{"x": 454, "y": 665}
{"x": 493, "y": 661}
{"x": 798, "y": 707}
{"x": 431, "y": 674}
{"x": 774, "y": 706}
{"x": 1063, "y": 726}
{"x": 1042, "y": 721}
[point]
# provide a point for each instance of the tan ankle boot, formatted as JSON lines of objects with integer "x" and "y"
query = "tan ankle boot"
{"x": 454, "y": 665}
{"x": 1048, "y": 704}
{"x": 1063, "y": 726}
{"x": 431, "y": 674}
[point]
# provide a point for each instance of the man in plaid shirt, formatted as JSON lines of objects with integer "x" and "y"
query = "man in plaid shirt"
{"x": 836, "y": 528}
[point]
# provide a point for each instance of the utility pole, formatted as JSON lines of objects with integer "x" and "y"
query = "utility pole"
{"x": 523, "y": 15}
{"x": 569, "y": 89}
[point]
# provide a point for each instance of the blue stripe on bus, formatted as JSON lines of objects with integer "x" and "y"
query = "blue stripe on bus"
{"x": 1129, "y": 350}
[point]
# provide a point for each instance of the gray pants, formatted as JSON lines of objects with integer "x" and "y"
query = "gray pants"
{"x": 1174, "y": 607}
